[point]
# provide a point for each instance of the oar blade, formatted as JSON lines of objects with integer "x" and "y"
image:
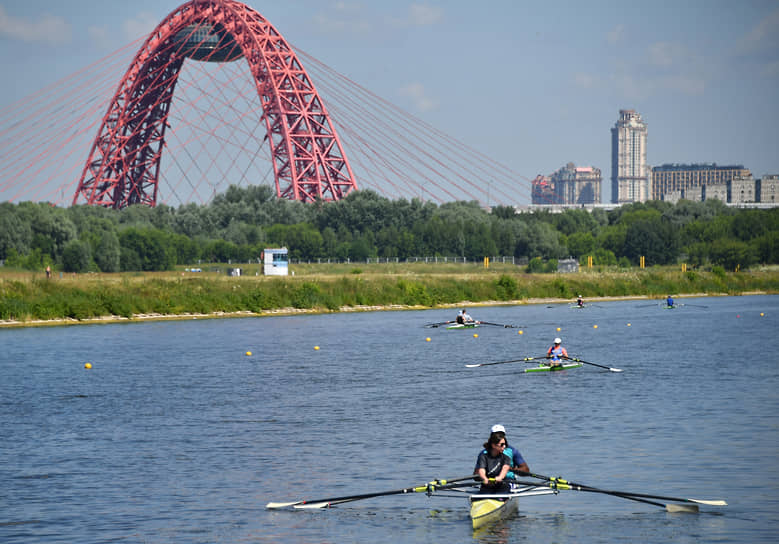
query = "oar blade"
{"x": 273, "y": 505}
{"x": 709, "y": 503}
{"x": 312, "y": 506}
{"x": 576, "y": 359}
{"x": 678, "y": 508}
{"x": 477, "y": 365}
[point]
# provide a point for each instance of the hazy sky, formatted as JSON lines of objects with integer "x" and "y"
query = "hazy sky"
{"x": 533, "y": 85}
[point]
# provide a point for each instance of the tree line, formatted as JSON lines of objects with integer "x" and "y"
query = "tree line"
{"x": 238, "y": 224}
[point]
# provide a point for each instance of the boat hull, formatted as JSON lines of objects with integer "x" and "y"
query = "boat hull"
{"x": 487, "y": 508}
{"x": 547, "y": 368}
{"x": 459, "y": 326}
{"x": 487, "y": 511}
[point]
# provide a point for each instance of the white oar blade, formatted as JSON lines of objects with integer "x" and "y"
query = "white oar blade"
{"x": 615, "y": 369}
{"x": 281, "y": 504}
{"x": 690, "y": 508}
{"x": 473, "y": 366}
{"x": 710, "y": 503}
{"x": 313, "y": 505}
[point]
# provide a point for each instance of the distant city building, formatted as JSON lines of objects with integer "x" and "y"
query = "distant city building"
{"x": 577, "y": 184}
{"x": 742, "y": 190}
{"x": 543, "y": 191}
{"x": 701, "y": 182}
{"x": 713, "y": 191}
{"x": 768, "y": 189}
{"x": 630, "y": 174}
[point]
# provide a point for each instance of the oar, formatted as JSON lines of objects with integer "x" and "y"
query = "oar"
{"x": 577, "y": 360}
{"x": 559, "y": 483}
{"x": 324, "y": 503}
{"x": 524, "y": 360}
{"x": 500, "y": 325}
{"x": 435, "y": 325}
{"x": 669, "y": 507}
{"x": 695, "y": 305}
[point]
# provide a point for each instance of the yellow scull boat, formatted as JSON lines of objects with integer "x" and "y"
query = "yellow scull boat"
{"x": 488, "y": 508}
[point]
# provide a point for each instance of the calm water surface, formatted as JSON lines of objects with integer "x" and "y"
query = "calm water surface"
{"x": 176, "y": 435}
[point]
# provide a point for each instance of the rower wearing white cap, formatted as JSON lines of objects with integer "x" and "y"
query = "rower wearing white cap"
{"x": 556, "y": 352}
{"x": 518, "y": 464}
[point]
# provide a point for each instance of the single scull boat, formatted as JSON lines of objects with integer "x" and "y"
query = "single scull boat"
{"x": 547, "y": 368}
{"x": 486, "y": 509}
{"x": 463, "y": 326}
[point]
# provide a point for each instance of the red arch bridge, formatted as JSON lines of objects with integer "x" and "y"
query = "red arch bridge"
{"x": 208, "y": 96}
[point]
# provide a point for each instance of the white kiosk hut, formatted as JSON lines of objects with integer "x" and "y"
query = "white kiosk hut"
{"x": 275, "y": 262}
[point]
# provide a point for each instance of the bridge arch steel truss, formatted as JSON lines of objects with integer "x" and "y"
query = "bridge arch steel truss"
{"x": 124, "y": 162}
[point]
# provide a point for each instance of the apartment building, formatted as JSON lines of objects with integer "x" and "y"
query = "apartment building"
{"x": 630, "y": 174}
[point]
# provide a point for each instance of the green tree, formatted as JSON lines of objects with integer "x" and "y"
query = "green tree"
{"x": 51, "y": 227}
{"x": 303, "y": 239}
{"x": 576, "y": 221}
{"x": 15, "y": 233}
{"x": 535, "y": 265}
{"x": 544, "y": 241}
{"x": 361, "y": 249}
{"x": 580, "y": 244}
{"x": 654, "y": 239}
{"x": 732, "y": 253}
{"x": 151, "y": 246}
{"x": 504, "y": 212}
{"x": 767, "y": 247}
{"x": 76, "y": 256}
{"x": 603, "y": 257}
{"x": 108, "y": 253}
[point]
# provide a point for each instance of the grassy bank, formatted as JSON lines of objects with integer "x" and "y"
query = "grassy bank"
{"x": 27, "y": 298}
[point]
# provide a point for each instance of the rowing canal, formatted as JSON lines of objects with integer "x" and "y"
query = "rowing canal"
{"x": 176, "y": 434}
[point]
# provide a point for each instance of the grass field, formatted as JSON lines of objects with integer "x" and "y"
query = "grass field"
{"x": 28, "y": 298}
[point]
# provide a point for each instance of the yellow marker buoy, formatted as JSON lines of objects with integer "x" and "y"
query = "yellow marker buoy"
{"x": 316, "y": 348}
{"x": 761, "y": 314}
{"x": 628, "y": 324}
{"x": 475, "y": 335}
{"x": 520, "y": 332}
{"x": 594, "y": 326}
{"x": 558, "y": 329}
{"x": 248, "y": 353}
{"x": 427, "y": 339}
{"x": 88, "y": 365}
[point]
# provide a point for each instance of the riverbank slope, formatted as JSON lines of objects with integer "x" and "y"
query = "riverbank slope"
{"x": 31, "y": 300}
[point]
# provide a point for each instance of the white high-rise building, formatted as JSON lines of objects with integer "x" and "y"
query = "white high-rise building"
{"x": 630, "y": 174}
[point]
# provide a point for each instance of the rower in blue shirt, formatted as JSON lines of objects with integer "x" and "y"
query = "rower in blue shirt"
{"x": 518, "y": 464}
{"x": 670, "y": 301}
